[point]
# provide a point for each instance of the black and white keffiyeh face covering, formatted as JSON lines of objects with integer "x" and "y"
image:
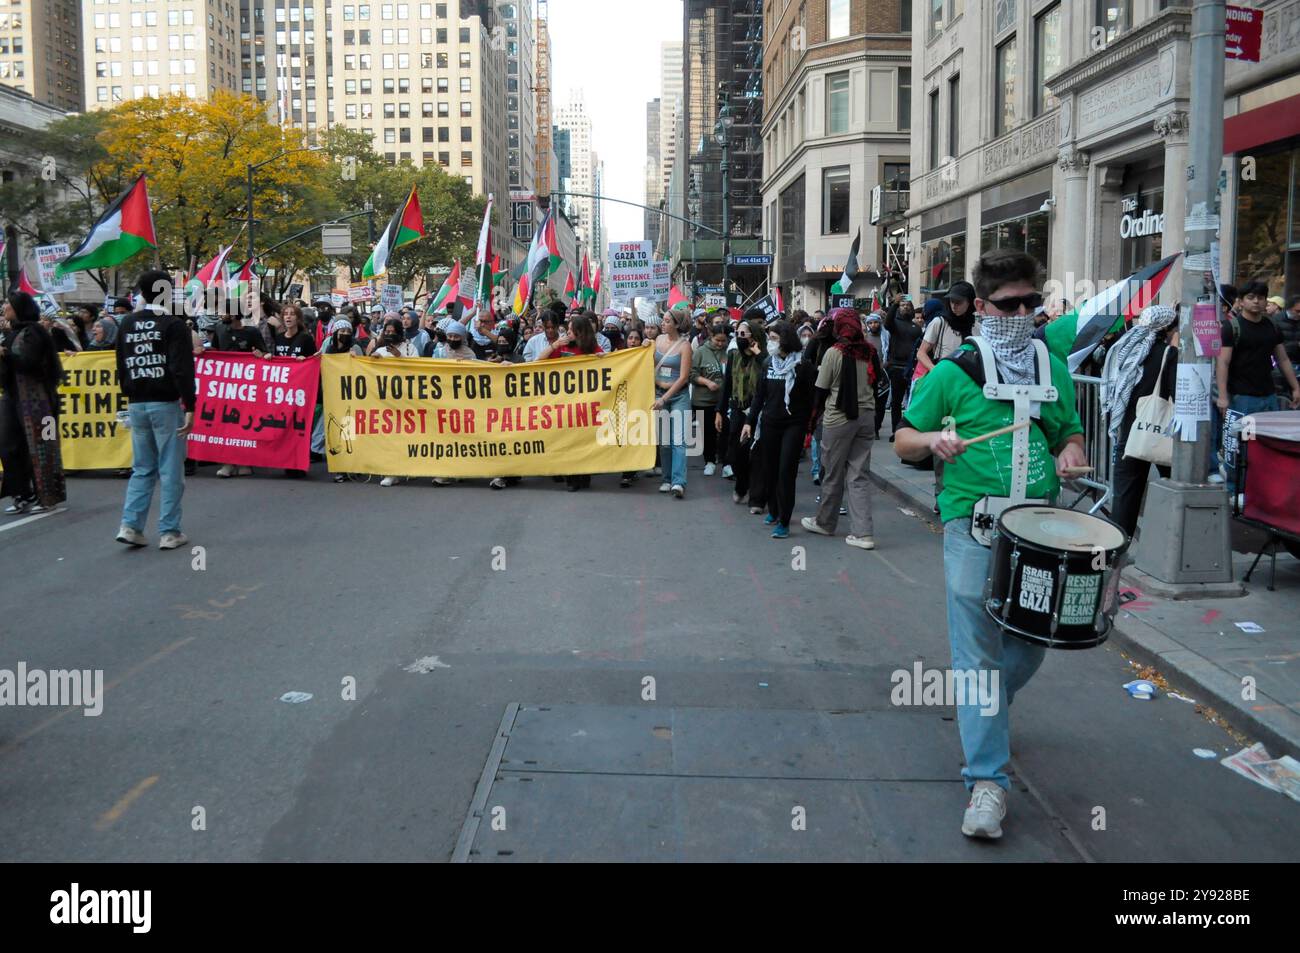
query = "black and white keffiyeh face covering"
{"x": 1011, "y": 337}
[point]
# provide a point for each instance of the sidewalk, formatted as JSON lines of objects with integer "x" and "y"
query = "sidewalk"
{"x": 1195, "y": 644}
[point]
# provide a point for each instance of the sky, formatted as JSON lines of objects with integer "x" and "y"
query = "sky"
{"x": 609, "y": 49}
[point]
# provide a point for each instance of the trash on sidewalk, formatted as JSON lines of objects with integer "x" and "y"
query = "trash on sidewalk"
{"x": 1141, "y": 689}
{"x": 1204, "y": 753}
{"x": 1182, "y": 698}
{"x": 1246, "y": 762}
{"x": 423, "y": 666}
{"x": 1284, "y": 773}
{"x": 1249, "y": 626}
{"x": 906, "y": 512}
{"x": 293, "y": 698}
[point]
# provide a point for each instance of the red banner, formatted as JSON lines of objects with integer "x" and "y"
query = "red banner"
{"x": 254, "y": 412}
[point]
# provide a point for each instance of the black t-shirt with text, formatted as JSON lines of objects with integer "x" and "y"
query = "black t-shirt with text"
{"x": 301, "y": 344}
{"x": 1250, "y": 372}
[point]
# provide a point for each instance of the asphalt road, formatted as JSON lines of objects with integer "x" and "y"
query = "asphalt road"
{"x": 308, "y": 586}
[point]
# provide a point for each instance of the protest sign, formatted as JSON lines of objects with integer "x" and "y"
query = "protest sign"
{"x": 90, "y": 435}
{"x": 421, "y": 417}
{"x": 47, "y": 259}
{"x": 661, "y": 280}
{"x": 361, "y": 293}
{"x": 254, "y": 412}
{"x": 770, "y": 307}
{"x": 631, "y": 270}
{"x": 391, "y": 297}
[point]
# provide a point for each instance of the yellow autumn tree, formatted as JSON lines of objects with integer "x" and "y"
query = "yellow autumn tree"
{"x": 196, "y": 156}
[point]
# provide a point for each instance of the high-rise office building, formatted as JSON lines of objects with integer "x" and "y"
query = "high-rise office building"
{"x": 670, "y": 96}
{"x": 573, "y": 119}
{"x": 654, "y": 180}
{"x": 130, "y": 51}
{"x": 40, "y": 50}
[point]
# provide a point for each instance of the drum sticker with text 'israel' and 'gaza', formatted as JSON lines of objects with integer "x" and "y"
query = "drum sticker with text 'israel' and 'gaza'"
{"x": 1080, "y": 603}
{"x": 1036, "y": 589}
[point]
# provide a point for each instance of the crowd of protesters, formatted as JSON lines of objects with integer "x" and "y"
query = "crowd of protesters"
{"x": 754, "y": 397}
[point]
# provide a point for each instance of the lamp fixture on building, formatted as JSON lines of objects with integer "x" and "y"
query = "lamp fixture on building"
{"x": 1048, "y": 205}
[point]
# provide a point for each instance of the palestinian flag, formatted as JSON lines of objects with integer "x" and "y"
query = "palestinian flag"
{"x": 569, "y": 290}
{"x": 522, "y": 289}
{"x": 1074, "y": 336}
{"x": 446, "y": 294}
{"x": 210, "y": 273}
{"x": 677, "y": 300}
{"x": 483, "y": 258}
{"x": 406, "y": 226}
{"x": 241, "y": 281}
{"x": 595, "y": 283}
{"x": 842, "y": 286}
{"x": 544, "y": 251}
{"x": 498, "y": 273}
{"x": 22, "y": 284}
{"x": 586, "y": 291}
{"x": 125, "y": 228}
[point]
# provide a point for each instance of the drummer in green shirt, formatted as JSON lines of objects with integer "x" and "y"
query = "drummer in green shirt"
{"x": 948, "y": 408}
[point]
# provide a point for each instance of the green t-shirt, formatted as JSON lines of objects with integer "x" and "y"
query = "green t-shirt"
{"x": 985, "y": 469}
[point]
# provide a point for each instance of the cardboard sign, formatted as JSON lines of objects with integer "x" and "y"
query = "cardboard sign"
{"x": 361, "y": 293}
{"x": 631, "y": 270}
{"x": 47, "y": 259}
{"x": 391, "y": 297}
{"x": 661, "y": 280}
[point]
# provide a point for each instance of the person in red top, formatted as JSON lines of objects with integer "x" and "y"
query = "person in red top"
{"x": 579, "y": 339}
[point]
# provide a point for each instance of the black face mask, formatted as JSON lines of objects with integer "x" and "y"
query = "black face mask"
{"x": 344, "y": 342}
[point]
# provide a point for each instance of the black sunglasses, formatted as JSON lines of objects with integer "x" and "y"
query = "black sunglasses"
{"x": 1012, "y": 305}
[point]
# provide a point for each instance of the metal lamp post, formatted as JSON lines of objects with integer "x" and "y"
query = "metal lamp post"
{"x": 722, "y": 131}
{"x": 253, "y": 168}
{"x": 694, "y": 201}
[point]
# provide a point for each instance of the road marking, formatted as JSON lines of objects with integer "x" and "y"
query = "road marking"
{"x": 41, "y": 726}
{"x": 898, "y": 571}
{"x": 111, "y": 816}
{"x": 29, "y": 519}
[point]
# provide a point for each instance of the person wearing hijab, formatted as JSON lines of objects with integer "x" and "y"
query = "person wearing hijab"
{"x": 779, "y": 412}
{"x": 1141, "y": 362}
{"x": 746, "y": 366}
{"x": 103, "y": 335}
{"x": 846, "y": 387}
{"x": 949, "y": 408}
{"x": 457, "y": 347}
{"x": 29, "y": 381}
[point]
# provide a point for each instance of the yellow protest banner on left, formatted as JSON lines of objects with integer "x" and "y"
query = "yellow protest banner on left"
{"x": 90, "y": 436}
{"x": 424, "y": 417}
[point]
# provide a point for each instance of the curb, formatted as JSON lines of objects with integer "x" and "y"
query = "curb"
{"x": 1274, "y": 724}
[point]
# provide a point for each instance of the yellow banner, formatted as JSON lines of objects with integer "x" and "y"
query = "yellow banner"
{"x": 423, "y": 417}
{"x": 90, "y": 436}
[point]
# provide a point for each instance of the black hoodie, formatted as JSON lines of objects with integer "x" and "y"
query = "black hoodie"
{"x": 155, "y": 359}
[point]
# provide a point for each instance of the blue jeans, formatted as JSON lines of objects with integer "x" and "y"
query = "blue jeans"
{"x": 1243, "y": 404}
{"x": 979, "y": 645}
{"x": 673, "y": 452}
{"x": 158, "y": 456}
{"x": 816, "y": 456}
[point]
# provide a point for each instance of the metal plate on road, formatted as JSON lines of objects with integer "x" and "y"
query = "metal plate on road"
{"x": 645, "y": 783}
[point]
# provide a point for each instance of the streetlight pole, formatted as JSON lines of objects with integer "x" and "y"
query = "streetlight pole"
{"x": 253, "y": 167}
{"x": 723, "y": 130}
{"x": 1187, "y": 506}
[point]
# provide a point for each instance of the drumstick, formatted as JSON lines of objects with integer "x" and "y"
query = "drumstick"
{"x": 1077, "y": 471}
{"x": 996, "y": 433}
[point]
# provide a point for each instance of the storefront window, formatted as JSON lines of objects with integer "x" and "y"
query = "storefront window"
{"x": 1141, "y": 229}
{"x": 1265, "y": 218}
{"x": 1029, "y": 233}
{"x": 793, "y": 200}
{"x": 943, "y": 261}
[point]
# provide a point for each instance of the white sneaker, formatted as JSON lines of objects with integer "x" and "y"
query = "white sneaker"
{"x": 984, "y": 813}
{"x": 862, "y": 542}
{"x": 443, "y": 481}
{"x": 665, "y": 487}
{"x": 811, "y": 525}
{"x": 679, "y": 491}
{"x": 498, "y": 483}
{"x": 388, "y": 481}
{"x": 709, "y": 469}
{"x": 172, "y": 540}
{"x": 131, "y": 537}
{"x": 727, "y": 474}
{"x": 225, "y": 471}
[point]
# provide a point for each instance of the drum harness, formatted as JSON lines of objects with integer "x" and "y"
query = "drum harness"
{"x": 1026, "y": 401}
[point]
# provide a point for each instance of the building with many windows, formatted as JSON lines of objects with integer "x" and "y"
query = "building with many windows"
{"x": 130, "y": 51}
{"x": 574, "y": 130}
{"x": 836, "y": 153}
{"x": 1062, "y": 129}
{"x": 40, "y": 50}
{"x": 654, "y": 179}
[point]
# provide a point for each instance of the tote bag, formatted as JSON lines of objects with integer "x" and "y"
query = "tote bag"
{"x": 1151, "y": 436}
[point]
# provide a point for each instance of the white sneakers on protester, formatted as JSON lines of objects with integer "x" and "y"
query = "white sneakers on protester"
{"x": 985, "y": 811}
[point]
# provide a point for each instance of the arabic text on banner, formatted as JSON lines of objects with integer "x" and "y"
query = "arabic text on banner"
{"x": 254, "y": 412}
{"x": 422, "y": 417}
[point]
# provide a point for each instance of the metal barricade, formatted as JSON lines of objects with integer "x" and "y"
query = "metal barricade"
{"x": 1096, "y": 444}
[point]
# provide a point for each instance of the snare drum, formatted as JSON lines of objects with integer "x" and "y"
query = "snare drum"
{"x": 1054, "y": 576}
